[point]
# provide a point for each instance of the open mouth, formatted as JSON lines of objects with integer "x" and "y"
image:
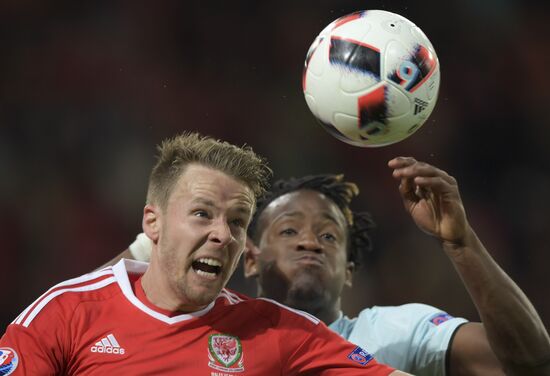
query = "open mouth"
{"x": 207, "y": 267}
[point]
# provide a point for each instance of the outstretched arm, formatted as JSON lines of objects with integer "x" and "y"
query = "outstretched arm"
{"x": 511, "y": 329}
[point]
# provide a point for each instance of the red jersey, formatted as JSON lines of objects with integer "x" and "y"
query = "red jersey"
{"x": 103, "y": 324}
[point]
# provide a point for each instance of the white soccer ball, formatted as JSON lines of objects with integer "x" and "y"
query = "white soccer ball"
{"x": 371, "y": 78}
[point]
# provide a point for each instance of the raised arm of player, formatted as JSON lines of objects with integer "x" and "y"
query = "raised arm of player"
{"x": 511, "y": 330}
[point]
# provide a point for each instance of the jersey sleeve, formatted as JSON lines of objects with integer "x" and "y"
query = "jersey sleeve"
{"x": 432, "y": 339}
{"x": 325, "y": 353}
{"x": 35, "y": 343}
{"x": 414, "y": 337}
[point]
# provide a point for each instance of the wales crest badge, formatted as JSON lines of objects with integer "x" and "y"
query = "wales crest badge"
{"x": 225, "y": 353}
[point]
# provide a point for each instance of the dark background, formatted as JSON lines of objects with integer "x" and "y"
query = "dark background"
{"x": 89, "y": 88}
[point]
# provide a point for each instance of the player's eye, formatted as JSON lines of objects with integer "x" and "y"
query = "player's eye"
{"x": 238, "y": 222}
{"x": 288, "y": 232}
{"x": 200, "y": 213}
{"x": 328, "y": 236}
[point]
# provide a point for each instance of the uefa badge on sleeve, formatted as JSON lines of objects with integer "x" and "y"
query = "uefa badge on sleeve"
{"x": 358, "y": 355}
{"x": 225, "y": 353}
{"x": 440, "y": 318}
{"x": 8, "y": 361}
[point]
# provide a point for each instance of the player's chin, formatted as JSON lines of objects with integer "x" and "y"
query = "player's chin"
{"x": 202, "y": 296}
{"x": 207, "y": 290}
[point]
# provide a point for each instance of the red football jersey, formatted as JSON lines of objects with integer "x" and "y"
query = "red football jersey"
{"x": 103, "y": 324}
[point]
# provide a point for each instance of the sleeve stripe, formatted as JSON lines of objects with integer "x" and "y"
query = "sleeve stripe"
{"x": 232, "y": 298}
{"x": 228, "y": 297}
{"x": 311, "y": 318}
{"x": 87, "y": 278}
{"x": 94, "y": 286}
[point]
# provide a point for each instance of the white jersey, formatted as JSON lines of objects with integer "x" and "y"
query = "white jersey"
{"x": 413, "y": 337}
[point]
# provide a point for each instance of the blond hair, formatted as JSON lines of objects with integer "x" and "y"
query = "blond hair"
{"x": 176, "y": 153}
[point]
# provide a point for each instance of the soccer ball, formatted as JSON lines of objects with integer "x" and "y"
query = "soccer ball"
{"x": 371, "y": 78}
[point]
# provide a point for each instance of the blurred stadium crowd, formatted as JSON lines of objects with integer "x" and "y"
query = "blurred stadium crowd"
{"x": 89, "y": 88}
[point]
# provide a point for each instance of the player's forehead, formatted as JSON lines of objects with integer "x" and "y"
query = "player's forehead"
{"x": 302, "y": 204}
{"x": 200, "y": 184}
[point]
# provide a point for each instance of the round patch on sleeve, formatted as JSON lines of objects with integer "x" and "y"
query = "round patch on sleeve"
{"x": 440, "y": 318}
{"x": 8, "y": 361}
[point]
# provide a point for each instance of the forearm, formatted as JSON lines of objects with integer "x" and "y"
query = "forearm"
{"x": 514, "y": 329}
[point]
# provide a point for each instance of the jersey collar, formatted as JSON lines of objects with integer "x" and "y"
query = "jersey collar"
{"x": 124, "y": 267}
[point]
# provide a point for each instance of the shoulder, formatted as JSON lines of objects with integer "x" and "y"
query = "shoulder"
{"x": 276, "y": 313}
{"x": 411, "y": 337}
{"x": 43, "y": 334}
{"x": 402, "y": 313}
{"x": 406, "y": 319}
{"x": 419, "y": 322}
{"x": 63, "y": 298}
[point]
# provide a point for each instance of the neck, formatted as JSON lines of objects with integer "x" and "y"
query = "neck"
{"x": 324, "y": 310}
{"x": 161, "y": 294}
{"x": 328, "y": 313}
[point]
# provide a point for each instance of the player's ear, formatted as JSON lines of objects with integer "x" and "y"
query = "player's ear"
{"x": 350, "y": 268}
{"x": 251, "y": 253}
{"x": 151, "y": 222}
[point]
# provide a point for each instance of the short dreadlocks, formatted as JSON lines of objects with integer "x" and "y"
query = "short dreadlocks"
{"x": 341, "y": 193}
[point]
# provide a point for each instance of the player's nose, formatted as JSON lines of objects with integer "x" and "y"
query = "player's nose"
{"x": 308, "y": 241}
{"x": 220, "y": 232}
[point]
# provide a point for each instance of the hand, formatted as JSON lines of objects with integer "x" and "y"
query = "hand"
{"x": 431, "y": 197}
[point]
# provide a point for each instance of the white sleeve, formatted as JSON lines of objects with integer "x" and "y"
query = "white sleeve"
{"x": 432, "y": 337}
{"x": 141, "y": 248}
{"x": 412, "y": 337}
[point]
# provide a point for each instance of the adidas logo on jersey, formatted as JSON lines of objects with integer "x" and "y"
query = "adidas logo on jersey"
{"x": 107, "y": 345}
